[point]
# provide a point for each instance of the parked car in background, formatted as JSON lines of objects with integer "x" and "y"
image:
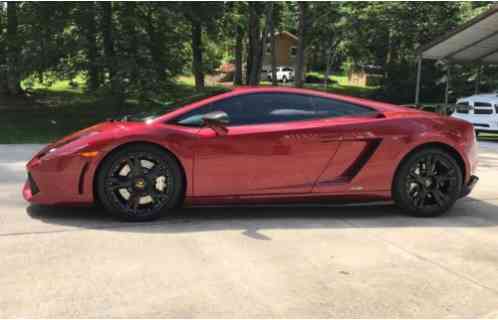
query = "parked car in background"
{"x": 481, "y": 110}
{"x": 284, "y": 74}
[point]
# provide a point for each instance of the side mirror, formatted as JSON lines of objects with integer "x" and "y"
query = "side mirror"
{"x": 217, "y": 120}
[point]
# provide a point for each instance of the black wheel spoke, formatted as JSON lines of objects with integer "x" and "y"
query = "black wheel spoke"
{"x": 154, "y": 172}
{"x": 415, "y": 178}
{"x": 118, "y": 183}
{"x": 446, "y": 177}
{"x": 439, "y": 197}
{"x": 430, "y": 166}
{"x": 420, "y": 198}
{"x": 135, "y": 166}
{"x": 134, "y": 200}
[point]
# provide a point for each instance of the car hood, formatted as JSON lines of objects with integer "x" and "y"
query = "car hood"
{"x": 100, "y": 131}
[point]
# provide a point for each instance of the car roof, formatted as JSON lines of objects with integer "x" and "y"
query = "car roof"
{"x": 241, "y": 90}
{"x": 380, "y": 106}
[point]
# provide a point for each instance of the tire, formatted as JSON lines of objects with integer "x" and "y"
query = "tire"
{"x": 427, "y": 183}
{"x": 132, "y": 188}
{"x": 284, "y": 79}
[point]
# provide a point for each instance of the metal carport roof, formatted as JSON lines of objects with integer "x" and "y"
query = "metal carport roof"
{"x": 474, "y": 41}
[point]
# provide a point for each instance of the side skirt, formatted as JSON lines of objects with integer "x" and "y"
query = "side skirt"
{"x": 330, "y": 198}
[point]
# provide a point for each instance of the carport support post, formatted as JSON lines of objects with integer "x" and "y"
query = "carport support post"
{"x": 446, "y": 91}
{"x": 478, "y": 79}
{"x": 419, "y": 74}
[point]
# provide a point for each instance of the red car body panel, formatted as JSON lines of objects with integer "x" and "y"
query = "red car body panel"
{"x": 351, "y": 158}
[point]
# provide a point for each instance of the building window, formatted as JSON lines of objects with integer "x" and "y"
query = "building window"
{"x": 293, "y": 51}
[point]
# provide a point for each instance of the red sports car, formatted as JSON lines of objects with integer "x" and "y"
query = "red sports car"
{"x": 260, "y": 145}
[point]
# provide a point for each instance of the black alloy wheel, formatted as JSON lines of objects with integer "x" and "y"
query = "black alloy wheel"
{"x": 139, "y": 182}
{"x": 428, "y": 183}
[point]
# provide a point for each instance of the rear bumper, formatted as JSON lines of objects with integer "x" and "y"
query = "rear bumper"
{"x": 467, "y": 188}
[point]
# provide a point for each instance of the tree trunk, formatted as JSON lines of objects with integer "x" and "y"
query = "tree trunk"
{"x": 237, "y": 77}
{"x": 327, "y": 68}
{"x": 197, "y": 67}
{"x": 264, "y": 38}
{"x": 129, "y": 25}
{"x": 110, "y": 55}
{"x": 253, "y": 50}
{"x": 154, "y": 46}
{"x": 3, "y": 62}
{"x": 13, "y": 51}
{"x": 258, "y": 42}
{"x": 273, "y": 53}
{"x": 301, "y": 46}
{"x": 330, "y": 61}
{"x": 91, "y": 48}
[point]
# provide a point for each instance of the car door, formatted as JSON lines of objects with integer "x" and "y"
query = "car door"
{"x": 356, "y": 129}
{"x": 273, "y": 146}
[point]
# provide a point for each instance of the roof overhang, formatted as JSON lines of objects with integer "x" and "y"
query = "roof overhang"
{"x": 474, "y": 41}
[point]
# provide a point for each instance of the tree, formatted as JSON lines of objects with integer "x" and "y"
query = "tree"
{"x": 13, "y": 46}
{"x": 273, "y": 60}
{"x": 327, "y": 32}
{"x": 111, "y": 61}
{"x": 301, "y": 45}
{"x": 197, "y": 67}
{"x": 237, "y": 78}
{"x": 201, "y": 16}
{"x": 257, "y": 39}
{"x": 86, "y": 14}
{"x": 3, "y": 72}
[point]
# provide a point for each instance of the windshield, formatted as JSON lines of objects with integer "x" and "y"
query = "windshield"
{"x": 169, "y": 106}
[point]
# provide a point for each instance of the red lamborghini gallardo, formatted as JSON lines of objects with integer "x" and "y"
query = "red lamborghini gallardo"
{"x": 260, "y": 145}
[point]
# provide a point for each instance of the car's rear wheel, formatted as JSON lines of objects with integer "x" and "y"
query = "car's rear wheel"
{"x": 428, "y": 183}
{"x": 140, "y": 183}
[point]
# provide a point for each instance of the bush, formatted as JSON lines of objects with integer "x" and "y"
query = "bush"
{"x": 317, "y": 78}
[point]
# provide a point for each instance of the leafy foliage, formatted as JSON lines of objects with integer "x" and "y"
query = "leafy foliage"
{"x": 138, "y": 49}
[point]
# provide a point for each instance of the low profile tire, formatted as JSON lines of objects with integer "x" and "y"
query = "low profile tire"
{"x": 140, "y": 183}
{"x": 427, "y": 183}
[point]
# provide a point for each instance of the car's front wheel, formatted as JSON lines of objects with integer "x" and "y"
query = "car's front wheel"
{"x": 428, "y": 183}
{"x": 139, "y": 183}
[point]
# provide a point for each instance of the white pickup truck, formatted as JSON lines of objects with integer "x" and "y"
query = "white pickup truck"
{"x": 284, "y": 74}
{"x": 481, "y": 110}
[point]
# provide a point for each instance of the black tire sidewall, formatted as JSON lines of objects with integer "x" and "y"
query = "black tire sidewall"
{"x": 401, "y": 198}
{"x": 176, "y": 174}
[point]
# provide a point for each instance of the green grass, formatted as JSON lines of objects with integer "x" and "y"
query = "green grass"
{"x": 339, "y": 84}
{"x": 56, "y": 85}
{"x": 57, "y": 109}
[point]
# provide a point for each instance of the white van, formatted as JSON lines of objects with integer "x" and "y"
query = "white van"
{"x": 481, "y": 110}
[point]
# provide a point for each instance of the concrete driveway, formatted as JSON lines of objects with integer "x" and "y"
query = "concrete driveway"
{"x": 299, "y": 261}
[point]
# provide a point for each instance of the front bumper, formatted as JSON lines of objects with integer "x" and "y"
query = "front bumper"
{"x": 467, "y": 188}
{"x": 62, "y": 180}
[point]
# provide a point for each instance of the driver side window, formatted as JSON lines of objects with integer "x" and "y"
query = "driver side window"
{"x": 257, "y": 108}
{"x": 231, "y": 106}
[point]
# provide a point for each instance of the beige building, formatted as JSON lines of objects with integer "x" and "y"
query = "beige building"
{"x": 285, "y": 48}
